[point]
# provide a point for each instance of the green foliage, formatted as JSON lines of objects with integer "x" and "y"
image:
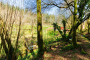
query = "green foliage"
{"x": 68, "y": 47}
{"x": 83, "y": 52}
{"x": 30, "y": 56}
{"x": 73, "y": 59}
{"x": 84, "y": 35}
{"x": 58, "y": 28}
{"x": 63, "y": 33}
{"x": 50, "y": 33}
{"x": 2, "y": 54}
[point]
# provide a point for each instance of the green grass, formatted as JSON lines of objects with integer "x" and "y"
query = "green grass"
{"x": 29, "y": 56}
{"x": 2, "y": 54}
{"x": 68, "y": 47}
{"x": 83, "y": 52}
{"x": 73, "y": 59}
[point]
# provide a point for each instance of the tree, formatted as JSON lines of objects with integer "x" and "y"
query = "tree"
{"x": 6, "y": 26}
{"x": 83, "y": 11}
{"x": 88, "y": 21}
{"x": 82, "y": 17}
{"x": 39, "y": 30}
{"x": 74, "y": 24}
{"x": 64, "y": 25}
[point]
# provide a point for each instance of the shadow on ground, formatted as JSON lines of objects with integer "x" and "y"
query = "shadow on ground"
{"x": 67, "y": 52}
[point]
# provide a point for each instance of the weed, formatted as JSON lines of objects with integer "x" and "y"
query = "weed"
{"x": 73, "y": 59}
{"x": 83, "y": 52}
{"x": 68, "y": 47}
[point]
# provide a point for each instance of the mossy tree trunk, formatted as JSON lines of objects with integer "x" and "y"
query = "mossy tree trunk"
{"x": 64, "y": 25}
{"x": 88, "y": 28}
{"x": 88, "y": 22}
{"x": 74, "y": 25}
{"x": 39, "y": 30}
{"x": 81, "y": 29}
{"x": 85, "y": 26}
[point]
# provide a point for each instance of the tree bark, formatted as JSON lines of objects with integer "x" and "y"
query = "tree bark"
{"x": 39, "y": 30}
{"x": 88, "y": 28}
{"x": 74, "y": 25}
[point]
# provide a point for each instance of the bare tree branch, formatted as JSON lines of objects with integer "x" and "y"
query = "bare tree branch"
{"x": 69, "y": 4}
{"x": 47, "y": 4}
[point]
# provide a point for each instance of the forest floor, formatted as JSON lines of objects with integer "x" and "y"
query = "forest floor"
{"x": 65, "y": 51}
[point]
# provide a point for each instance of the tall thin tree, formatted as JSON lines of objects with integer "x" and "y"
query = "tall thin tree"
{"x": 39, "y": 30}
{"x": 74, "y": 24}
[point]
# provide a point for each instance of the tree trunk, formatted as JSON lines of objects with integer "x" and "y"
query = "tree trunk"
{"x": 88, "y": 28}
{"x": 74, "y": 25}
{"x": 64, "y": 24}
{"x": 39, "y": 30}
{"x": 32, "y": 29}
{"x": 81, "y": 29}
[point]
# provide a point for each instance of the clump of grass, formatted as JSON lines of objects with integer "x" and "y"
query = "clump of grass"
{"x": 29, "y": 56}
{"x": 84, "y": 35}
{"x": 83, "y": 52}
{"x": 68, "y": 47}
{"x": 73, "y": 59}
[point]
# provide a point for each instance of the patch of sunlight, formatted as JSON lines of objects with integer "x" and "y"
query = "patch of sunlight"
{"x": 79, "y": 42}
{"x": 31, "y": 56}
{"x": 23, "y": 49}
{"x": 28, "y": 35}
{"x": 47, "y": 55}
{"x": 35, "y": 51}
{"x": 58, "y": 57}
{"x": 53, "y": 49}
{"x": 82, "y": 57}
{"x": 32, "y": 47}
